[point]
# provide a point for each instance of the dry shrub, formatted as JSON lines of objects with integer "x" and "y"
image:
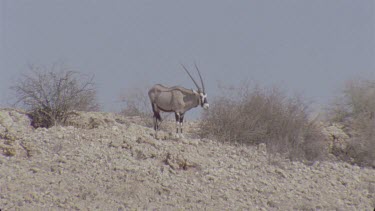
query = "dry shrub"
{"x": 355, "y": 109}
{"x": 137, "y": 106}
{"x": 136, "y": 102}
{"x": 253, "y": 115}
{"x": 50, "y": 95}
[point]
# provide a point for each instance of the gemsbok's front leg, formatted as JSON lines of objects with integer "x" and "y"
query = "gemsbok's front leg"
{"x": 179, "y": 120}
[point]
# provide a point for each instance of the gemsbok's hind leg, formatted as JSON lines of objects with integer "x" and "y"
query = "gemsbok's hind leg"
{"x": 155, "y": 123}
{"x": 155, "y": 127}
{"x": 156, "y": 119}
{"x": 181, "y": 125}
{"x": 177, "y": 115}
{"x": 156, "y": 116}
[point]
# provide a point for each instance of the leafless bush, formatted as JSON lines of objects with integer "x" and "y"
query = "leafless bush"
{"x": 255, "y": 115}
{"x": 51, "y": 95}
{"x": 137, "y": 105}
{"x": 136, "y": 102}
{"x": 355, "y": 109}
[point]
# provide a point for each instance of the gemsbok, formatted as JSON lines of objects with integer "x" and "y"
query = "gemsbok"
{"x": 177, "y": 99}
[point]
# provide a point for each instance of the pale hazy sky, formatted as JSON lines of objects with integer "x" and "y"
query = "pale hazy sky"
{"x": 308, "y": 47}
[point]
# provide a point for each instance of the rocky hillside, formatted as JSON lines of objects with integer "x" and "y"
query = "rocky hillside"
{"x": 107, "y": 162}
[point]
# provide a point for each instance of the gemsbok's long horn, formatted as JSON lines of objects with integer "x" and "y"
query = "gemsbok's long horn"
{"x": 199, "y": 72}
{"x": 190, "y": 76}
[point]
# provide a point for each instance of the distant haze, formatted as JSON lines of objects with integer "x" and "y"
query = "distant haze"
{"x": 307, "y": 47}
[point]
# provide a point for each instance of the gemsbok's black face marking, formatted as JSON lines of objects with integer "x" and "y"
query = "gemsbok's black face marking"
{"x": 177, "y": 99}
{"x": 204, "y": 102}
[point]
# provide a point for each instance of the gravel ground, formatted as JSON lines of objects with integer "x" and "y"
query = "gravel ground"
{"x": 104, "y": 161}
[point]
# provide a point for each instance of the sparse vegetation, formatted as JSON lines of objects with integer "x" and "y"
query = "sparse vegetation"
{"x": 255, "y": 115}
{"x": 136, "y": 103}
{"x": 50, "y": 95}
{"x": 355, "y": 110}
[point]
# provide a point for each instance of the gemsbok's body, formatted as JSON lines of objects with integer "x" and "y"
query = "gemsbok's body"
{"x": 176, "y": 99}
